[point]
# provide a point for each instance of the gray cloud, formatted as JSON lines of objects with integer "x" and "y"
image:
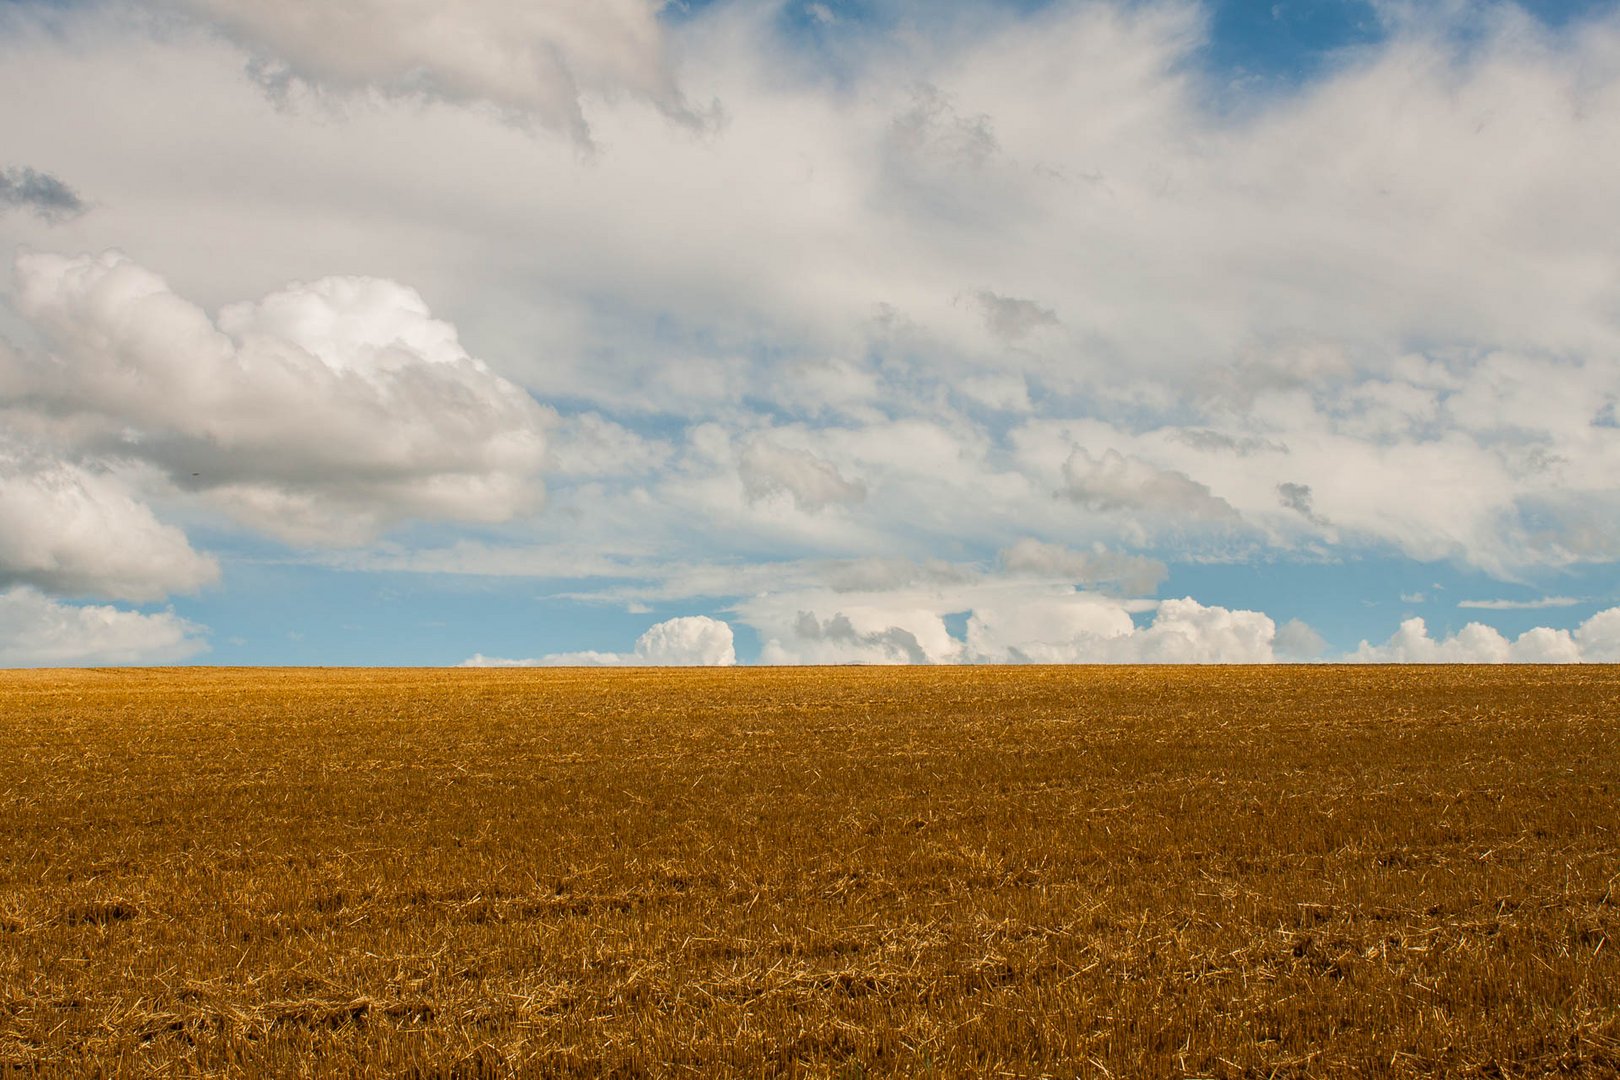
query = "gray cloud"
{"x": 1117, "y": 482}
{"x": 44, "y": 195}
{"x": 1131, "y": 573}
{"x": 812, "y": 482}
{"x": 1012, "y": 319}
{"x": 1296, "y": 497}
{"x": 1297, "y": 640}
{"x": 895, "y": 643}
{"x": 933, "y": 132}
{"x": 1211, "y": 441}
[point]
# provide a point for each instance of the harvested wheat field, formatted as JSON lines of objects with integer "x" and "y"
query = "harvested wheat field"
{"x": 1126, "y": 872}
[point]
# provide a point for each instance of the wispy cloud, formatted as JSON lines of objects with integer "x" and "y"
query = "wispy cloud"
{"x": 1520, "y": 605}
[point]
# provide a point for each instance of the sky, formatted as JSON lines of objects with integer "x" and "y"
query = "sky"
{"x": 851, "y": 331}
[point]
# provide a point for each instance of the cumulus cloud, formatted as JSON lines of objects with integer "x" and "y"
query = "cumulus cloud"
{"x": 1599, "y": 637}
{"x": 1061, "y": 627}
{"x": 1187, "y": 632}
{"x": 1004, "y": 623}
{"x": 1597, "y": 640}
{"x": 1117, "y": 482}
{"x": 688, "y": 641}
{"x": 838, "y": 639}
{"x": 40, "y": 193}
{"x": 813, "y": 483}
{"x": 536, "y": 61}
{"x": 36, "y": 631}
{"x": 1475, "y": 643}
{"x": 71, "y": 530}
{"x": 320, "y": 414}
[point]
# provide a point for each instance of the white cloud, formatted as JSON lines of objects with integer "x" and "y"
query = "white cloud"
{"x": 321, "y": 414}
{"x": 534, "y": 61}
{"x": 36, "y": 631}
{"x": 1006, "y": 622}
{"x": 75, "y": 531}
{"x": 1187, "y": 632}
{"x": 1238, "y": 289}
{"x": 687, "y": 641}
{"x": 1597, "y": 640}
{"x": 1599, "y": 637}
{"x": 1062, "y": 627}
{"x": 691, "y": 639}
{"x": 1519, "y": 605}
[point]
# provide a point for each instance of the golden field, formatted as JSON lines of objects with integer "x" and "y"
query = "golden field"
{"x": 1120, "y": 872}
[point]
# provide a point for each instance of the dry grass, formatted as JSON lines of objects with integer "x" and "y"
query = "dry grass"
{"x": 851, "y": 872}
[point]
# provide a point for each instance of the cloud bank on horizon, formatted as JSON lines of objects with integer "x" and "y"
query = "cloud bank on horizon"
{"x": 892, "y": 332}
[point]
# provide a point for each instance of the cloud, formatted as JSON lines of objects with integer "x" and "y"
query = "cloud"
{"x": 1004, "y": 623}
{"x": 1187, "y": 632}
{"x": 1597, "y": 640}
{"x": 1519, "y": 605}
{"x": 688, "y": 641}
{"x": 589, "y": 444}
{"x": 1599, "y": 637}
{"x": 1208, "y": 441}
{"x": 1099, "y": 567}
{"x": 48, "y": 198}
{"x": 932, "y": 136}
{"x": 1283, "y": 288}
{"x": 74, "y": 531}
{"x": 813, "y": 483}
{"x": 838, "y": 638}
{"x": 691, "y": 639}
{"x": 1296, "y": 497}
{"x": 36, "y": 631}
{"x": 536, "y": 61}
{"x": 1296, "y": 640}
{"x": 321, "y": 414}
{"x": 1011, "y": 319}
{"x": 1475, "y": 643}
{"x": 1114, "y": 482}
{"x": 863, "y": 636}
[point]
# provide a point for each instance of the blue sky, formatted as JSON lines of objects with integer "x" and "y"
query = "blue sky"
{"x": 809, "y": 332}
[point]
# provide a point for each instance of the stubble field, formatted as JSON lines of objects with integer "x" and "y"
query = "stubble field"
{"x": 1119, "y": 872}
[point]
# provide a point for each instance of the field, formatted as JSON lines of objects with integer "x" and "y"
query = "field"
{"x": 1113, "y": 872}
